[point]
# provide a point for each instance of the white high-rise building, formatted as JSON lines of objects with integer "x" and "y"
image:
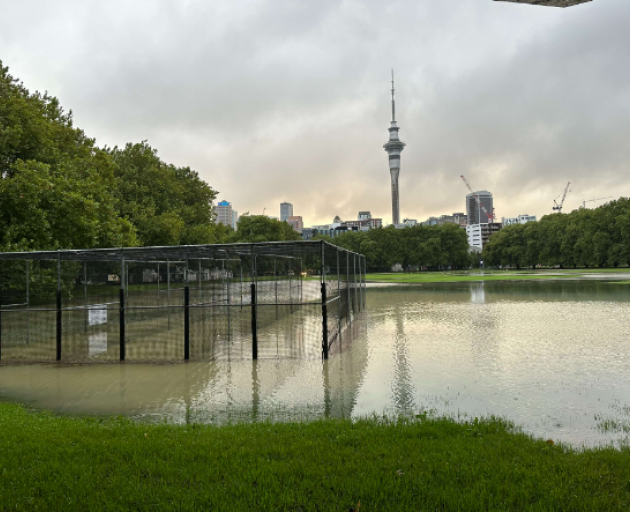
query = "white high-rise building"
{"x": 478, "y": 234}
{"x": 225, "y": 214}
{"x": 286, "y": 211}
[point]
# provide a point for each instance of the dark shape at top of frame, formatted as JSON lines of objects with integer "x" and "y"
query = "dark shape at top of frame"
{"x": 289, "y": 249}
{"x": 548, "y": 3}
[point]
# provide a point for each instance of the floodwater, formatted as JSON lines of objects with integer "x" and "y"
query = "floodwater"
{"x": 551, "y": 356}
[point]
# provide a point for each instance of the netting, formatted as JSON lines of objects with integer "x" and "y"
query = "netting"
{"x": 266, "y": 300}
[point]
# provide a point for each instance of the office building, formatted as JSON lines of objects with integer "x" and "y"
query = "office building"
{"x": 365, "y": 215}
{"x": 295, "y": 221}
{"x": 479, "y": 234}
{"x": 225, "y": 215}
{"x": 286, "y": 211}
{"x": 473, "y": 212}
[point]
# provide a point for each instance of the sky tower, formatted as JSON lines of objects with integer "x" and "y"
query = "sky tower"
{"x": 394, "y": 147}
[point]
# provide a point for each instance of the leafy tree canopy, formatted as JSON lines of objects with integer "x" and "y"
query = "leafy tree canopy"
{"x": 584, "y": 237}
{"x": 59, "y": 190}
{"x": 260, "y": 228}
{"x": 424, "y": 246}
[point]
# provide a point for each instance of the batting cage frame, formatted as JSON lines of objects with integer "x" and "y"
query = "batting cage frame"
{"x": 269, "y": 299}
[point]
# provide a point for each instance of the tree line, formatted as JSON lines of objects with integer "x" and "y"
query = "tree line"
{"x": 59, "y": 190}
{"x": 433, "y": 247}
{"x": 586, "y": 238}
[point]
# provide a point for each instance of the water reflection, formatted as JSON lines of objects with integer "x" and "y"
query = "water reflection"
{"x": 552, "y": 356}
{"x": 477, "y": 293}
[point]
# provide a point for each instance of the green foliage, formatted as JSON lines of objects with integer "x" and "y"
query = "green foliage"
{"x": 59, "y": 190}
{"x": 430, "y": 246}
{"x": 62, "y": 463}
{"x": 587, "y": 238}
{"x": 260, "y": 228}
{"x": 168, "y": 205}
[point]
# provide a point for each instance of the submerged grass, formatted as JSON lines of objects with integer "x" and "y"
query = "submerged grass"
{"x": 435, "y": 277}
{"x": 49, "y": 462}
{"x": 489, "y": 275}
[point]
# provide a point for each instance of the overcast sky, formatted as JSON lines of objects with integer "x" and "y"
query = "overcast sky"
{"x": 289, "y": 100}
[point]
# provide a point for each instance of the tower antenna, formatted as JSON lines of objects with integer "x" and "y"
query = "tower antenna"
{"x": 393, "y": 100}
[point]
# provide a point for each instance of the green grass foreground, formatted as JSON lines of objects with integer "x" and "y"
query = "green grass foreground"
{"x": 49, "y": 462}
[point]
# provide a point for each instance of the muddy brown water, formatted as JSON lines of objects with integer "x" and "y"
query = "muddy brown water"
{"x": 551, "y": 356}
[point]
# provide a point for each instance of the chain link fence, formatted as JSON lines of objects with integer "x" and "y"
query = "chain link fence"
{"x": 263, "y": 300}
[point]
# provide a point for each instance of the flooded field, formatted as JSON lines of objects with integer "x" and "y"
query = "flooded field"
{"x": 551, "y": 356}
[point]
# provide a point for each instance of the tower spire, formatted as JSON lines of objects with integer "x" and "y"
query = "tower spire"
{"x": 394, "y": 147}
{"x": 393, "y": 100}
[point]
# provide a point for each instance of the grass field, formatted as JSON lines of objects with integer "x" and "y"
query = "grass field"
{"x": 61, "y": 463}
{"x": 487, "y": 275}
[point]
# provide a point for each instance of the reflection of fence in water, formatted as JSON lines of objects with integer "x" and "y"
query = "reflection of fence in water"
{"x": 170, "y": 303}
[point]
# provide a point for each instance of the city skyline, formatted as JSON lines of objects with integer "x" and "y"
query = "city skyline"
{"x": 520, "y": 99}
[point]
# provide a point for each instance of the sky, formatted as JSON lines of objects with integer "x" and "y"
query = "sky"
{"x": 289, "y": 100}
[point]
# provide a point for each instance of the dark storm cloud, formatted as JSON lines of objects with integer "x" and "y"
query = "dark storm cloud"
{"x": 288, "y": 100}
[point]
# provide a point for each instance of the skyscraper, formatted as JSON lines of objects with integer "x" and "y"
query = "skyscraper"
{"x": 286, "y": 211}
{"x": 394, "y": 147}
{"x": 474, "y": 213}
{"x": 225, "y": 214}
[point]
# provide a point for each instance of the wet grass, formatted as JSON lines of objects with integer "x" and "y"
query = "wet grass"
{"x": 488, "y": 275}
{"x": 447, "y": 277}
{"x": 49, "y": 462}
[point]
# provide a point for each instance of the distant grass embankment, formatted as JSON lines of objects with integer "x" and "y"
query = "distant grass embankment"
{"x": 486, "y": 275}
{"x": 61, "y": 463}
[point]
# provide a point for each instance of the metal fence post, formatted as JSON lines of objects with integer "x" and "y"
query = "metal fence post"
{"x": 360, "y": 301}
{"x": 364, "y": 283}
{"x": 28, "y": 301}
{"x": 324, "y": 306}
{"x": 186, "y": 322}
{"x": 240, "y": 267}
{"x": 275, "y": 278}
{"x": 348, "y": 286}
{"x": 58, "y": 307}
{"x": 168, "y": 293}
{"x": 199, "y": 285}
{"x": 254, "y": 312}
{"x": 122, "y": 309}
{"x": 186, "y": 313}
{"x": 86, "y": 316}
{"x": 324, "y": 323}
{"x": 228, "y": 296}
{"x": 338, "y": 300}
{"x": 254, "y": 324}
{"x": 354, "y": 295}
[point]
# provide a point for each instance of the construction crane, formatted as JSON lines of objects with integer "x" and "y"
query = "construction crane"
{"x": 481, "y": 206}
{"x": 558, "y": 206}
{"x": 590, "y": 200}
